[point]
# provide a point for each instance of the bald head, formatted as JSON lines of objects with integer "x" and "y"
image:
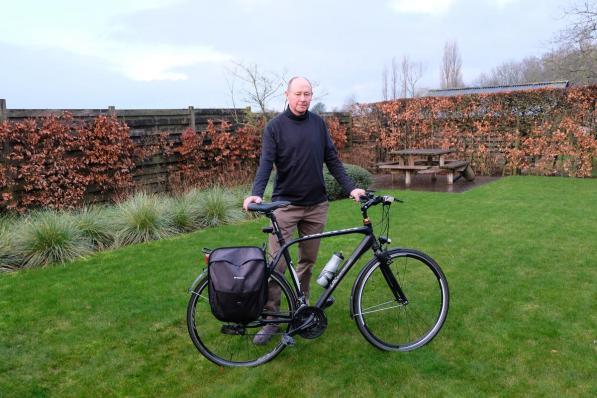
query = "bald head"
{"x": 298, "y": 80}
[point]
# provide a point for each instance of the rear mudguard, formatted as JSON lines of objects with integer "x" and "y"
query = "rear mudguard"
{"x": 201, "y": 276}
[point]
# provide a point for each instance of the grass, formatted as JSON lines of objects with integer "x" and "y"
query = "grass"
{"x": 519, "y": 255}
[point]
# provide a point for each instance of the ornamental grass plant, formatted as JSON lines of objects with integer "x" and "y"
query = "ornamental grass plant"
{"x": 184, "y": 212}
{"x": 218, "y": 206}
{"x": 45, "y": 237}
{"x": 141, "y": 218}
{"x": 95, "y": 224}
{"x": 8, "y": 260}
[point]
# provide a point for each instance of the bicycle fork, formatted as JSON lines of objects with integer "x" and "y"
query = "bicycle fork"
{"x": 384, "y": 266}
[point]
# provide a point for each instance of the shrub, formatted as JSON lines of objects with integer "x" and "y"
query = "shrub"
{"x": 47, "y": 237}
{"x": 359, "y": 175}
{"x": 217, "y": 206}
{"x": 184, "y": 211}
{"x": 8, "y": 259}
{"x": 541, "y": 131}
{"x": 220, "y": 155}
{"x": 55, "y": 161}
{"x": 94, "y": 223}
{"x": 141, "y": 218}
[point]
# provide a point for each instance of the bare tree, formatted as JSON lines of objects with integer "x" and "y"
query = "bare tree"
{"x": 451, "y": 68}
{"x": 258, "y": 88}
{"x": 404, "y": 79}
{"x": 384, "y": 83}
{"x": 574, "y": 57}
{"x": 394, "y": 78}
{"x": 577, "y": 53}
{"x": 410, "y": 74}
{"x": 582, "y": 30}
{"x": 505, "y": 74}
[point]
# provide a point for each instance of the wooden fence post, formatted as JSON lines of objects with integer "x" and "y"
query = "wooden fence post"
{"x": 192, "y": 118}
{"x": 3, "y": 111}
{"x": 112, "y": 110}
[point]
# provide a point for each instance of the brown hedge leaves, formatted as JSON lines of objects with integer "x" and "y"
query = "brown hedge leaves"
{"x": 544, "y": 132}
{"x": 53, "y": 162}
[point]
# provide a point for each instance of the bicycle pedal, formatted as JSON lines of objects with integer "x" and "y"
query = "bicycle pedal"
{"x": 287, "y": 340}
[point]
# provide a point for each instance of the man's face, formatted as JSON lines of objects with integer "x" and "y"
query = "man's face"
{"x": 299, "y": 96}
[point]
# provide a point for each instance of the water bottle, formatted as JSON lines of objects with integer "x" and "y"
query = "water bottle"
{"x": 328, "y": 272}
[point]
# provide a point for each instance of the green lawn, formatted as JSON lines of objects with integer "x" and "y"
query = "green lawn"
{"x": 520, "y": 255}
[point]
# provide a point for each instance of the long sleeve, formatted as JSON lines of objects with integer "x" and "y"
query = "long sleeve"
{"x": 266, "y": 162}
{"x": 298, "y": 147}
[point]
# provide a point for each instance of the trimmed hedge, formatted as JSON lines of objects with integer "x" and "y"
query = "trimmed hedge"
{"x": 359, "y": 175}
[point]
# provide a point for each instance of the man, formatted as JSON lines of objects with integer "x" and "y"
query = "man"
{"x": 298, "y": 144}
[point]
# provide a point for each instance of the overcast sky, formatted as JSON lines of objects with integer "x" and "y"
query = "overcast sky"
{"x": 176, "y": 53}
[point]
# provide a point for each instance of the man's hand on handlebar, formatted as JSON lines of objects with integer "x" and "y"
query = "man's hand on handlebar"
{"x": 357, "y": 193}
{"x": 251, "y": 199}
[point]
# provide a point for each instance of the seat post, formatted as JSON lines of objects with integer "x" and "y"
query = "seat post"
{"x": 277, "y": 232}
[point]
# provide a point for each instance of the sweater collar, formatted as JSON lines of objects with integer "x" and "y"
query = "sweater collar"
{"x": 292, "y": 116}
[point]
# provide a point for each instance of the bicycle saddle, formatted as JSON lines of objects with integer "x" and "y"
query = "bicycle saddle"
{"x": 267, "y": 207}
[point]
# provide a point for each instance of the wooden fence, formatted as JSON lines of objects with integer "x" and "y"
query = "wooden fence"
{"x": 147, "y": 126}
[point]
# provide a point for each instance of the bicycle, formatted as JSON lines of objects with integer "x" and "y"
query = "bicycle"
{"x": 399, "y": 299}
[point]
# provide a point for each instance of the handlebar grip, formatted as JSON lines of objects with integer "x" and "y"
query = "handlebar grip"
{"x": 367, "y": 197}
{"x": 390, "y": 199}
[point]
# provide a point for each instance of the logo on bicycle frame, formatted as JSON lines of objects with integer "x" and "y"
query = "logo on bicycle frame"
{"x": 331, "y": 232}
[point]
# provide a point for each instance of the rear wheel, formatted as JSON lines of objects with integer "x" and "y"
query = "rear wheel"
{"x": 393, "y": 326}
{"x": 231, "y": 344}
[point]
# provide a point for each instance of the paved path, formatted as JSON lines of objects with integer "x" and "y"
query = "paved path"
{"x": 425, "y": 183}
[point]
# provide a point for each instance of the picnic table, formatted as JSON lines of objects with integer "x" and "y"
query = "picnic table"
{"x": 427, "y": 161}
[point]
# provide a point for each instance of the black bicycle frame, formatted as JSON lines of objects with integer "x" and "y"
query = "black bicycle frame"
{"x": 369, "y": 241}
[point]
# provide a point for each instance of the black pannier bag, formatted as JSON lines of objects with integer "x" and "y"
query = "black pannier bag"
{"x": 237, "y": 283}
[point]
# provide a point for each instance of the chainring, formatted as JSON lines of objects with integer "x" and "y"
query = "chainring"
{"x": 314, "y": 317}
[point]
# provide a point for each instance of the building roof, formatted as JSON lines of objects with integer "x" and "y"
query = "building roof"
{"x": 496, "y": 89}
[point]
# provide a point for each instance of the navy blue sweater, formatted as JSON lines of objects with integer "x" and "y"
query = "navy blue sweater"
{"x": 298, "y": 146}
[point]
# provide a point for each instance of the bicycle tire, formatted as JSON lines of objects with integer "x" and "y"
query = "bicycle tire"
{"x": 215, "y": 339}
{"x": 389, "y": 325}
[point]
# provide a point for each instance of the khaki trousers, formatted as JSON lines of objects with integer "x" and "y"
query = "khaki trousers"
{"x": 308, "y": 220}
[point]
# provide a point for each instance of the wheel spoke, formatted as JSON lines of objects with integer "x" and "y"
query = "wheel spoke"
{"x": 375, "y": 308}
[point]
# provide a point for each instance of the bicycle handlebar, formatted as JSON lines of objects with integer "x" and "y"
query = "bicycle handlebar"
{"x": 369, "y": 199}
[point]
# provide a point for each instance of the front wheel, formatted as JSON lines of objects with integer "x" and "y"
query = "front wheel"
{"x": 390, "y": 324}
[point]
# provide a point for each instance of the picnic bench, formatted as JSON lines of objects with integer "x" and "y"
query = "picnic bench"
{"x": 462, "y": 167}
{"x": 427, "y": 161}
